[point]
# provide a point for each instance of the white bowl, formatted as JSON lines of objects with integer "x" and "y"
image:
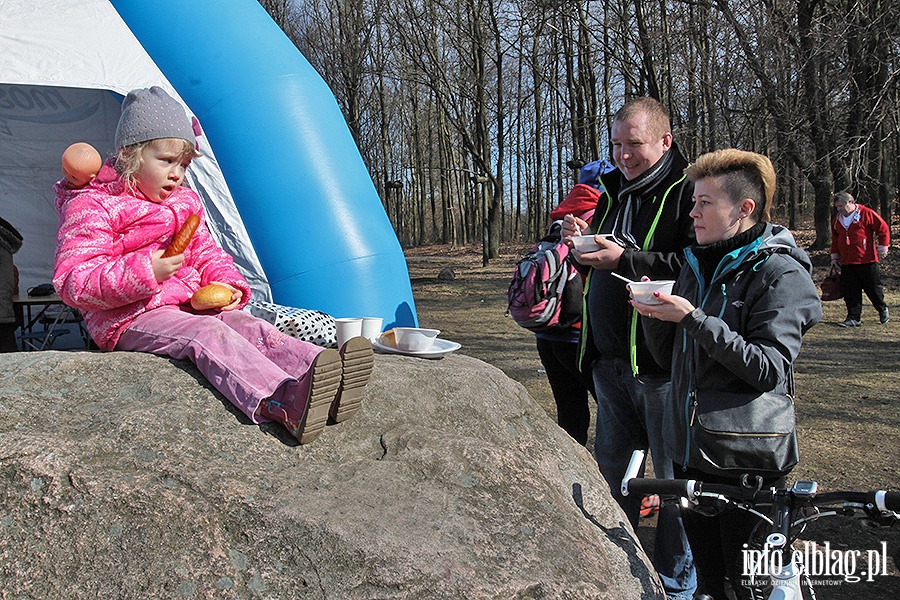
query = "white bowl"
{"x": 415, "y": 339}
{"x": 586, "y": 243}
{"x": 642, "y": 291}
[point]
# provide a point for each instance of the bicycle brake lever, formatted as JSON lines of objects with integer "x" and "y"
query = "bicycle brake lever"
{"x": 755, "y": 486}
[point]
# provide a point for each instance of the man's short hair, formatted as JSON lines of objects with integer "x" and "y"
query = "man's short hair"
{"x": 657, "y": 115}
{"x": 742, "y": 175}
{"x": 843, "y": 197}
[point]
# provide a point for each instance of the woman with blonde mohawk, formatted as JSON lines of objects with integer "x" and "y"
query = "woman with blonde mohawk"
{"x": 732, "y": 326}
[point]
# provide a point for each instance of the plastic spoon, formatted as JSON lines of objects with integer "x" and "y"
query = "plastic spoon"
{"x": 617, "y": 276}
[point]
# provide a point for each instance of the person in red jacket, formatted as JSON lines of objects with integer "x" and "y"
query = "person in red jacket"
{"x": 859, "y": 237}
{"x": 558, "y": 348}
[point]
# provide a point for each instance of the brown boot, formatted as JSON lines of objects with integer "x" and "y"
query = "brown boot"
{"x": 358, "y": 360}
{"x": 304, "y": 408}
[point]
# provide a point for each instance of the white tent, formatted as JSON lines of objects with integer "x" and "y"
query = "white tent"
{"x": 66, "y": 66}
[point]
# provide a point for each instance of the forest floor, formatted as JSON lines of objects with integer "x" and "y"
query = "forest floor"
{"x": 848, "y": 388}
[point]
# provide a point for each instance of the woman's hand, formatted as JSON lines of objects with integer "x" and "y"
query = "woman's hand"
{"x": 164, "y": 268}
{"x": 673, "y": 308}
{"x": 236, "y": 295}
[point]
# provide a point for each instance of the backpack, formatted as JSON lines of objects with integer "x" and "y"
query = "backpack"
{"x": 545, "y": 293}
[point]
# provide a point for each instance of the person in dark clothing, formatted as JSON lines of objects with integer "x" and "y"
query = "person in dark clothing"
{"x": 733, "y": 324}
{"x": 646, "y": 207}
{"x": 10, "y": 242}
{"x": 558, "y": 348}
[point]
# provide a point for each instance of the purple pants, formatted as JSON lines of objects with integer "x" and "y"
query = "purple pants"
{"x": 245, "y": 358}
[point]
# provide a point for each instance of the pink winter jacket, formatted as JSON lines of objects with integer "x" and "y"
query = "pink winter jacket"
{"x": 103, "y": 246}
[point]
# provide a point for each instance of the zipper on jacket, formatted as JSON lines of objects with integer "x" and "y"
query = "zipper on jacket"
{"x": 724, "y": 302}
{"x": 585, "y": 327}
{"x": 646, "y": 247}
{"x": 690, "y": 412}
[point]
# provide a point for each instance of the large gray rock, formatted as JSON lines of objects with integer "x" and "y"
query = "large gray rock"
{"x": 127, "y": 476}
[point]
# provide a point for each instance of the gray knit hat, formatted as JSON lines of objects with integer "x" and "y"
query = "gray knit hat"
{"x": 152, "y": 114}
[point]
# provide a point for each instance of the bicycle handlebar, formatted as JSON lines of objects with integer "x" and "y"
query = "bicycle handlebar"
{"x": 691, "y": 488}
{"x": 887, "y": 500}
{"x": 664, "y": 487}
{"x": 883, "y": 500}
{"x": 688, "y": 488}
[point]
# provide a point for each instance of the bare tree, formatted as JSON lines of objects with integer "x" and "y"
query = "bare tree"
{"x": 473, "y": 113}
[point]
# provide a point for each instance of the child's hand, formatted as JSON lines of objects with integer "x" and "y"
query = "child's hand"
{"x": 236, "y": 295}
{"x": 164, "y": 268}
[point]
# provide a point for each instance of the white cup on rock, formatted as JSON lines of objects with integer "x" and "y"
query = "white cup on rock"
{"x": 346, "y": 329}
{"x": 371, "y": 327}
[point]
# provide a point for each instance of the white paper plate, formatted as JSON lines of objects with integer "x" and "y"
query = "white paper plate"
{"x": 438, "y": 349}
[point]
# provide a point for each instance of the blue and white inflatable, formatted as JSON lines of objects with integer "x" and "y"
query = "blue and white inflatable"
{"x": 285, "y": 187}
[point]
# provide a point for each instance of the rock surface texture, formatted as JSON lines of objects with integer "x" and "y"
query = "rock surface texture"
{"x": 127, "y": 476}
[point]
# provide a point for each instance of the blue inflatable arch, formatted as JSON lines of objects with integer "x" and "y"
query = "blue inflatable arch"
{"x": 305, "y": 196}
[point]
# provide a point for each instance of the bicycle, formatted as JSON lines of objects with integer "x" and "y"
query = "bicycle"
{"x": 790, "y": 510}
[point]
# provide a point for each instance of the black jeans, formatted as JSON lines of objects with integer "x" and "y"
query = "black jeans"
{"x": 8, "y": 337}
{"x": 856, "y": 279}
{"x": 717, "y": 542}
{"x": 570, "y": 386}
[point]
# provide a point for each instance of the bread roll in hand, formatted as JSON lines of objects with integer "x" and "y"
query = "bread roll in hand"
{"x": 210, "y": 296}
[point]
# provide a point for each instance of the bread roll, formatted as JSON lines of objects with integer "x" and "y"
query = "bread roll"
{"x": 211, "y": 296}
{"x": 389, "y": 338}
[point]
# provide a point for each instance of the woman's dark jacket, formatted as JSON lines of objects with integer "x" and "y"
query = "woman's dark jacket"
{"x": 745, "y": 332}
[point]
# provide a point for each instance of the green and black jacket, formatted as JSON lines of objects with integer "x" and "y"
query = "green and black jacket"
{"x": 662, "y": 228}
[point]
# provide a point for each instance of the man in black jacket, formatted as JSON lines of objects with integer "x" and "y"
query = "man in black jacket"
{"x": 646, "y": 207}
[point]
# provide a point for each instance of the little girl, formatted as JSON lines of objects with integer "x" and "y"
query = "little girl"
{"x": 109, "y": 264}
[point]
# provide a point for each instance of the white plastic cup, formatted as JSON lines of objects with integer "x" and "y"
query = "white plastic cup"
{"x": 371, "y": 327}
{"x": 346, "y": 329}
